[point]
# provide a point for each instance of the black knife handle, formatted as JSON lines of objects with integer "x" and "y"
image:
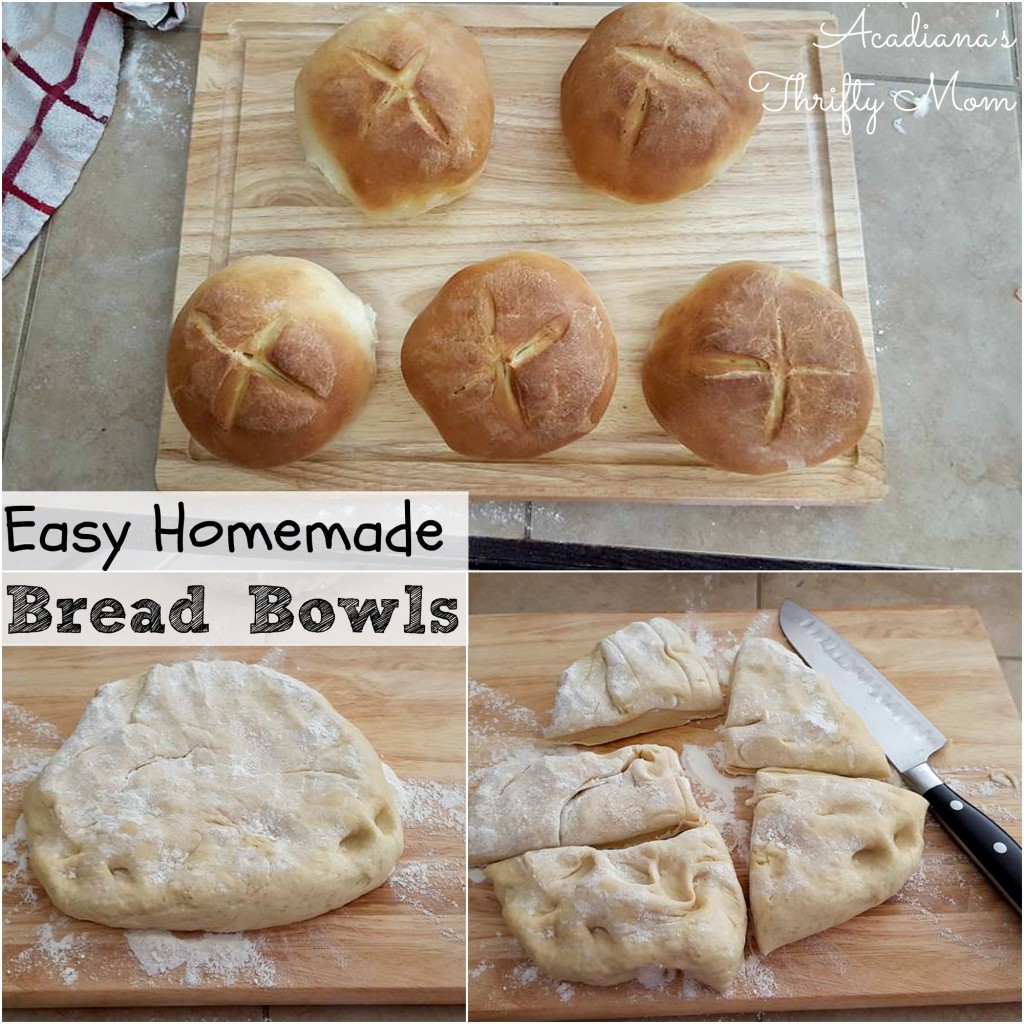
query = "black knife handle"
{"x": 996, "y": 853}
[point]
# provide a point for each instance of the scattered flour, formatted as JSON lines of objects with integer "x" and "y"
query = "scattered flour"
{"x": 24, "y": 721}
{"x": 481, "y": 968}
{"x": 433, "y": 887}
{"x": 756, "y": 977}
{"x": 721, "y": 796}
{"x": 64, "y": 955}
{"x": 502, "y": 730}
{"x": 437, "y": 806}
{"x": 229, "y": 958}
{"x": 29, "y": 742}
{"x": 15, "y": 851}
{"x": 156, "y": 84}
{"x": 477, "y": 876}
{"x": 655, "y": 978}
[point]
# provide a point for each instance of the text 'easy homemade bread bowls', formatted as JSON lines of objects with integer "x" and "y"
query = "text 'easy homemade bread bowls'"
{"x": 513, "y": 358}
{"x": 395, "y": 109}
{"x": 658, "y": 102}
{"x": 758, "y": 369}
{"x": 269, "y": 358}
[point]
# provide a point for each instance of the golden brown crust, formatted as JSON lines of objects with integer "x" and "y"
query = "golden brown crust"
{"x": 268, "y": 359}
{"x": 759, "y": 370}
{"x": 657, "y": 102}
{"x": 396, "y": 110}
{"x": 513, "y": 357}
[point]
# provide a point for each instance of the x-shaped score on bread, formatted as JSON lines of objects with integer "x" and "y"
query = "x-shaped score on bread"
{"x": 502, "y": 374}
{"x": 251, "y": 357}
{"x": 400, "y": 85}
{"x": 665, "y": 65}
{"x": 779, "y": 368}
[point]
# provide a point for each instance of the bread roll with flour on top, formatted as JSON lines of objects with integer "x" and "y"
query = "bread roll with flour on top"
{"x": 395, "y": 109}
{"x": 658, "y": 102}
{"x": 269, "y": 358}
{"x": 514, "y": 357}
{"x": 758, "y": 369}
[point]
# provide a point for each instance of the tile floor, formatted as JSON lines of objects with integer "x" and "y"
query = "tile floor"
{"x": 86, "y": 314}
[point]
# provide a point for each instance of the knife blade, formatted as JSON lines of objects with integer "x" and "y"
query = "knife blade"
{"x": 908, "y": 739}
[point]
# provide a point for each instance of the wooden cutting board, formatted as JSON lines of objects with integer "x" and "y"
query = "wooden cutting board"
{"x": 401, "y": 943}
{"x": 947, "y": 938}
{"x": 792, "y": 200}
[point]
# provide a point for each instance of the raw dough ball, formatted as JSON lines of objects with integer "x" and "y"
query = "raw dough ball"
{"x": 210, "y": 795}
{"x": 783, "y": 714}
{"x": 643, "y": 677}
{"x": 824, "y": 849}
{"x": 600, "y": 916}
{"x": 630, "y": 795}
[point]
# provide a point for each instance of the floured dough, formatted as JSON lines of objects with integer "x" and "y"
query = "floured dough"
{"x": 824, "y": 848}
{"x": 210, "y": 795}
{"x": 646, "y": 676}
{"x": 585, "y": 799}
{"x": 783, "y": 714}
{"x": 599, "y": 916}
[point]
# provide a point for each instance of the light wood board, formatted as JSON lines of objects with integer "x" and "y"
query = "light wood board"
{"x": 792, "y": 200}
{"x": 397, "y": 944}
{"x": 947, "y": 938}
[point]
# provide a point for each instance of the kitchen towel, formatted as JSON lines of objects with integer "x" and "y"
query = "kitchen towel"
{"x": 60, "y": 73}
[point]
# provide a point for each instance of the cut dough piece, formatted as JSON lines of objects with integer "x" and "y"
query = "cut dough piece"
{"x": 633, "y": 794}
{"x": 210, "y": 795}
{"x": 600, "y": 916}
{"x": 825, "y": 848}
{"x": 783, "y": 714}
{"x": 644, "y": 677}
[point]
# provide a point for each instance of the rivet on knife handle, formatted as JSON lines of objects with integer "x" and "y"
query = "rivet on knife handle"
{"x": 992, "y": 849}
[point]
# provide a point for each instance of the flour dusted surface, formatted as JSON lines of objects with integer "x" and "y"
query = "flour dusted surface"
{"x": 214, "y": 796}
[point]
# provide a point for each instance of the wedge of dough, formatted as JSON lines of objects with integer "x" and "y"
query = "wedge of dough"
{"x": 825, "y": 848}
{"x": 210, "y": 795}
{"x": 633, "y": 794}
{"x": 599, "y": 916}
{"x": 643, "y": 677}
{"x": 783, "y": 714}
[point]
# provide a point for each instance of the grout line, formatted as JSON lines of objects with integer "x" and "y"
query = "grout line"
{"x": 529, "y": 521}
{"x": 1014, "y": 22}
{"x": 19, "y": 353}
{"x": 939, "y": 82}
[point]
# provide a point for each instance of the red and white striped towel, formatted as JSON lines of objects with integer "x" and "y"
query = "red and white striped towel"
{"x": 60, "y": 72}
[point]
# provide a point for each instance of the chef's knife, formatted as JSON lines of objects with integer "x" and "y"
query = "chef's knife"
{"x": 908, "y": 739}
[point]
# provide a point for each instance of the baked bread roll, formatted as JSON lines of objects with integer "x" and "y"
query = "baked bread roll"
{"x": 657, "y": 102}
{"x": 645, "y": 676}
{"x": 824, "y": 849}
{"x": 269, "y": 358}
{"x": 628, "y": 796}
{"x": 601, "y": 916}
{"x": 760, "y": 370}
{"x": 395, "y": 110}
{"x": 513, "y": 357}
